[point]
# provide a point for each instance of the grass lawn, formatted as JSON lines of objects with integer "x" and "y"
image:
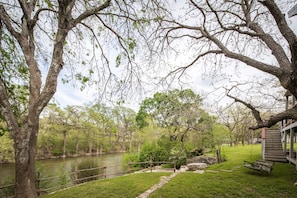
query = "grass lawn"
{"x": 221, "y": 182}
{"x": 124, "y": 186}
{"x": 241, "y": 182}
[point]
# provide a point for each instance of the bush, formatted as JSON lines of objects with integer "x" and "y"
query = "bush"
{"x": 81, "y": 173}
{"x": 196, "y": 152}
{"x": 179, "y": 155}
{"x": 130, "y": 157}
{"x": 57, "y": 152}
{"x": 153, "y": 152}
{"x": 165, "y": 143}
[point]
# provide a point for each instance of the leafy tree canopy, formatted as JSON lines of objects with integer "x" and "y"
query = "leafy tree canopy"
{"x": 178, "y": 111}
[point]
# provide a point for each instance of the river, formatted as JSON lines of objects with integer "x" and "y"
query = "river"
{"x": 53, "y": 167}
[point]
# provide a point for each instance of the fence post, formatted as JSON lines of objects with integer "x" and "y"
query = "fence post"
{"x": 38, "y": 183}
{"x": 129, "y": 169}
{"x": 75, "y": 175}
{"x": 105, "y": 167}
{"x": 174, "y": 165}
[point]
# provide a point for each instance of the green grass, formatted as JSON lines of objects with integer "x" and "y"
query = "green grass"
{"x": 124, "y": 186}
{"x": 241, "y": 182}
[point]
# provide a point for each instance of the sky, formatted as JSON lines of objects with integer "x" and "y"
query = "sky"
{"x": 202, "y": 84}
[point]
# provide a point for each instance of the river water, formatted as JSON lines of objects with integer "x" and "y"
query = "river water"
{"x": 53, "y": 167}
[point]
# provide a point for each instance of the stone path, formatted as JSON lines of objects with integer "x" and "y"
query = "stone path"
{"x": 163, "y": 181}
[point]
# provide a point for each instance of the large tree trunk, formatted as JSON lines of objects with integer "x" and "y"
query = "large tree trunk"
{"x": 25, "y": 152}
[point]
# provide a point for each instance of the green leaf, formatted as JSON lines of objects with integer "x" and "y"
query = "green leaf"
{"x": 118, "y": 60}
{"x": 49, "y": 4}
{"x": 131, "y": 44}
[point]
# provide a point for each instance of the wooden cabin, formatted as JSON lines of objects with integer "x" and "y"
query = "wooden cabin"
{"x": 288, "y": 130}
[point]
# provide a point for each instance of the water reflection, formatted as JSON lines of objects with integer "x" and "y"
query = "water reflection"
{"x": 53, "y": 167}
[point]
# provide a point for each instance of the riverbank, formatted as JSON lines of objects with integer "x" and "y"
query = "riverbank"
{"x": 60, "y": 166}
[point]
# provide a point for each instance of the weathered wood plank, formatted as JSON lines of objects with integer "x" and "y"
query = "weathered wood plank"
{"x": 260, "y": 165}
{"x": 290, "y": 126}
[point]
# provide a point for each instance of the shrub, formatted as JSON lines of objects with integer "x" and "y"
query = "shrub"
{"x": 196, "y": 152}
{"x": 153, "y": 152}
{"x": 130, "y": 157}
{"x": 179, "y": 155}
{"x": 57, "y": 152}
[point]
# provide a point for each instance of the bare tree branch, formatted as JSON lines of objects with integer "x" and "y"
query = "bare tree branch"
{"x": 6, "y": 20}
{"x": 91, "y": 12}
{"x": 249, "y": 61}
{"x": 255, "y": 112}
{"x": 288, "y": 114}
{"x": 281, "y": 22}
{"x": 183, "y": 69}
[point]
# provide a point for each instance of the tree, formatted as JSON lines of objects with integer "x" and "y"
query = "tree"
{"x": 77, "y": 117}
{"x": 102, "y": 117}
{"x": 183, "y": 125}
{"x": 47, "y": 35}
{"x": 238, "y": 120}
{"x": 177, "y": 111}
{"x": 125, "y": 123}
{"x": 220, "y": 134}
{"x": 250, "y": 33}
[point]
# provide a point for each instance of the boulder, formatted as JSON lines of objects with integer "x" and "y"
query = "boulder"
{"x": 196, "y": 166}
{"x": 202, "y": 159}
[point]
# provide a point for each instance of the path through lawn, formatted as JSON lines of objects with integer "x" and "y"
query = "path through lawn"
{"x": 163, "y": 180}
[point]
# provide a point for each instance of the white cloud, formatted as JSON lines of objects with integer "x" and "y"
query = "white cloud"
{"x": 66, "y": 95}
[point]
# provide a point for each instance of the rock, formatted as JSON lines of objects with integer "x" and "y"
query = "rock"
{"x": 196, "y": 166}
{"x": 199, "y": 171}
{"x": 202, "y": 159}
{"x": 183, "y": 168}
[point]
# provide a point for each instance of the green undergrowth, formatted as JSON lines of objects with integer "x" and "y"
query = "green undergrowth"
{"x": 227, "y": 179}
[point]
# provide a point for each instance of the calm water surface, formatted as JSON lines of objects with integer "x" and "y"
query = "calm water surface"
{"x": 53, "y": 167}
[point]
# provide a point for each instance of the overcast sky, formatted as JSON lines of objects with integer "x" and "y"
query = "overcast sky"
{"x": 67, "y": 94}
